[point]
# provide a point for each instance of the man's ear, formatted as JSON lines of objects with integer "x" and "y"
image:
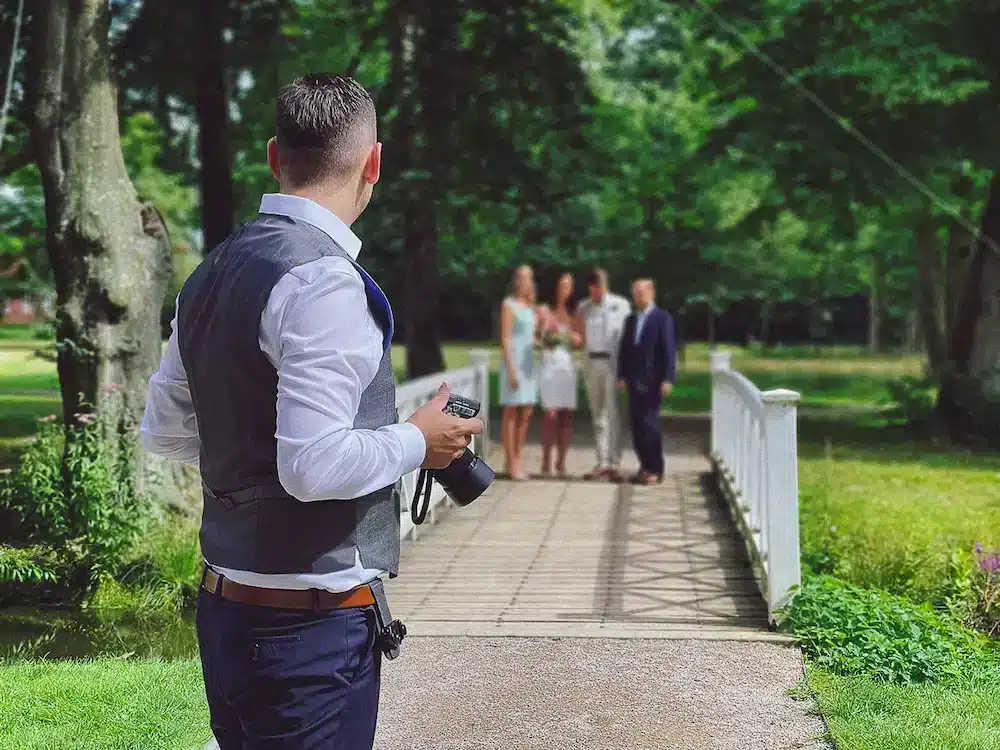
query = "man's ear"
{"x": 373, "y": 165}
{"x": 272, "y": 158}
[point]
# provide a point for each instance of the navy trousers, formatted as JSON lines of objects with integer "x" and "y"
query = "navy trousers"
{"x": 289, "y": 680}
{"x": 647, "y": 439}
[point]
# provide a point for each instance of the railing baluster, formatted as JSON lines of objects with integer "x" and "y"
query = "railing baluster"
{"x": 753, "y": 449}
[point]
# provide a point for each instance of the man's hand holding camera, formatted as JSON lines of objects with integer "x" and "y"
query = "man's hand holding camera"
{"x": 446, "y": 436}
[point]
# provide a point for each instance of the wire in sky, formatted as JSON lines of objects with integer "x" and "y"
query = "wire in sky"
{"x": 843, "y": 123}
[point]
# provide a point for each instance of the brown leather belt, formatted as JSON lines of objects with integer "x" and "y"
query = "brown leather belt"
{"x": 310, "y": 599}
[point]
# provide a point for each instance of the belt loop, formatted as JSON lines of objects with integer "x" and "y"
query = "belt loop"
{"x": 315, "y": 601}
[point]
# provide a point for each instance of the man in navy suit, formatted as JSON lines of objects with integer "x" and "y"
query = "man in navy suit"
{"x": 646, "y": 366}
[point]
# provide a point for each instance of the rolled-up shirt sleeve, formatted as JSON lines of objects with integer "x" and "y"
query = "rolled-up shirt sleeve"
{"x": 169, "y": 426}
{"x": 327, "y": 349}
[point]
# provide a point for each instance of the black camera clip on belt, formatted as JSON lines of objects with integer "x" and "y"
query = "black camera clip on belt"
{"x": 391, "y": 633}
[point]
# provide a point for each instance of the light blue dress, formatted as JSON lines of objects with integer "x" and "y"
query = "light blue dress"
{"x": 522, "y": 350}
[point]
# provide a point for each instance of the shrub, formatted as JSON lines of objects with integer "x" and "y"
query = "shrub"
{"x": 75, "y": 493}
{"x": 913, "y": 398}
{"x": 851, "y": 631}
{"x": 984, "y": 613}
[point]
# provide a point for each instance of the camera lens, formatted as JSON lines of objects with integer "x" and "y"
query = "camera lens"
{"x": 466, "y": 478}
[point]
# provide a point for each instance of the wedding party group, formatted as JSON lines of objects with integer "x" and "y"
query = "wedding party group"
{"x": 627, "y": 352}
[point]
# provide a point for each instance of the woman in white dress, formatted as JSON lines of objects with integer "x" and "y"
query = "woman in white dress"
{"x": 558, "y": 375}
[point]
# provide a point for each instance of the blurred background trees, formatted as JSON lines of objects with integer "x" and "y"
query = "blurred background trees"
{"x": 789, "y": 173}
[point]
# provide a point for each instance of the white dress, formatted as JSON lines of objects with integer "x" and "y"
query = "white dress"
{"x": 558, "y": 376}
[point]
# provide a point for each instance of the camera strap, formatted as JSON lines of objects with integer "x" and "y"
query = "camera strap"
{"x": 418, "y": 510}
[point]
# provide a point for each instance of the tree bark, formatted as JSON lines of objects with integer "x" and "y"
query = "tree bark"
{"x": 110, "y": 253}
{"x": 962, "y": 395}
{"x": 428, "y": 43}
{"x": 875, "y": 308}
{"x": 928, "y": 274}
{"x": 212, "y": 107}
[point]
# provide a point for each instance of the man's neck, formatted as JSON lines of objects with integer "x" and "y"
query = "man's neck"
{"x": 337, "y": 204}
{"x": 647, "y": 308}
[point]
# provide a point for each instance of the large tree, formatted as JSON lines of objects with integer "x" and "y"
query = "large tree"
{"x": 109, "y": 251}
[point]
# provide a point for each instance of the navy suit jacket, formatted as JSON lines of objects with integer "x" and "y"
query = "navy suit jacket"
{"x": 651, "y": 362}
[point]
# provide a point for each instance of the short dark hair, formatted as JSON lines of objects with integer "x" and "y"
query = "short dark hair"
{"x": 597, "y": 276}
{"x": 324, "y": 123}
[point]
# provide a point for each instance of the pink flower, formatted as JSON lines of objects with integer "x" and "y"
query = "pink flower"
{"x": 86, "y": 419}
{"x": 49, "y": 419}
{"x": 113, "y": 388}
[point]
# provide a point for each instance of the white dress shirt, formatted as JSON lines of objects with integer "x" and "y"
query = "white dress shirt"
{"x": 603, "y": 322}
{"x": 640, "y": 321}
{"x": 319, "y": 334}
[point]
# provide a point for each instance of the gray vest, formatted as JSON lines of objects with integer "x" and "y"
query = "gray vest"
{"x": 249, "y": 521}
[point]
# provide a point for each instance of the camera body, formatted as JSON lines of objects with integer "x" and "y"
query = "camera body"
{"x": 468, "y": 476}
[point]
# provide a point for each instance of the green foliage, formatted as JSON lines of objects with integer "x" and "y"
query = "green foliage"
{"x": 84, "y": 507}
{"x": 28, "y": 565}
{"x": 914, "y": 398}
{"x": 852, "y": 631}
{"x": 160, "y": 576}
{"x": 175, "y": 199}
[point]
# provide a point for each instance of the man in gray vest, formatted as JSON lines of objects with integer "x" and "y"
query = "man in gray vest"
{"x": 277, "y": 383}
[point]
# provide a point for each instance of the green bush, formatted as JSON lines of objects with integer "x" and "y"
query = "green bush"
{"x": 851, "y": 631}
{"x": 75, "y": 494}
{"x": 913, "y": 398}
{"x": 28, "y": 565}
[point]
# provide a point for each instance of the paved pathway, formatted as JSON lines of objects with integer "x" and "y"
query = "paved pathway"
{"x": 569, "y": 614}
{"x": 584, "y": 559}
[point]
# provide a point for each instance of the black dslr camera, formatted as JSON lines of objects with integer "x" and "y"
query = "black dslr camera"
{"x": 464, "y": 479}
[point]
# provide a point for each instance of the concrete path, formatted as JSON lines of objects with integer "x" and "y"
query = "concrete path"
{"x": 557, "y": 613}
{"x": 547, "y": 694}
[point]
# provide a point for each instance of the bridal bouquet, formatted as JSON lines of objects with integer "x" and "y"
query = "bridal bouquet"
{"x": 553, "y": 338}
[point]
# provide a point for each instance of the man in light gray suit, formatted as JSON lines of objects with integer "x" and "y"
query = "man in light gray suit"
{"x": 600, "y": 321}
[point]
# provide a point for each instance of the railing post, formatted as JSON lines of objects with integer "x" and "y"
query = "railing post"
{"x": 480, "y": 359}
{"x": 719, "y": 362}
{"x": 782, "y": 498}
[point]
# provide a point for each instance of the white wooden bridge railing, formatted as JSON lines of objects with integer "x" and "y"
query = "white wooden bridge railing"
{"x": 473, "y": 382}
{"x": 755, "y": 457}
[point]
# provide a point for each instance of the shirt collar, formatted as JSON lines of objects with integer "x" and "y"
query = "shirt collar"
{"x": 303, "y": 209}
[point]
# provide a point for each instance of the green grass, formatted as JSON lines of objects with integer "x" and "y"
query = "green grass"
{"x": 893, "y": 515}
{"x": 863, "y": 714}
{"x": 882, "y": 511}
{"x": 105, "y": 704}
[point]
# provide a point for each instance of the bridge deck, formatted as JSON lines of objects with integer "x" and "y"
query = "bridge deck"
{"x": 584, "y": 559}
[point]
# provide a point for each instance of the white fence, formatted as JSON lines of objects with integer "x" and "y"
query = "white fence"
{"x": 473, "y": 382}
{"x": 754, "y": 453}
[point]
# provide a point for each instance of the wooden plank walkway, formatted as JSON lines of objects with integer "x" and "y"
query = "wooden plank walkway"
{"x": 552, "y": 557}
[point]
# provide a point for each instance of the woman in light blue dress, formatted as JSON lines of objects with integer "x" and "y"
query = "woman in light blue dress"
{"x": 518, "y": 370}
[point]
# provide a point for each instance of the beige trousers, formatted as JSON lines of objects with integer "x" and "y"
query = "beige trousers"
{"x": 599, "y": 377}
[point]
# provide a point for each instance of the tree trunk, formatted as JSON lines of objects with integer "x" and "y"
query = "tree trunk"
{"x": 428, "y": 46}
{"x": 962, "y": 393}
{"x": 766, "y": 311}
{"x": 875, "y": 309}
{"x": 110, "y": 253}
{"x": 928, "y": 282}
{"x": 212, "y": 107}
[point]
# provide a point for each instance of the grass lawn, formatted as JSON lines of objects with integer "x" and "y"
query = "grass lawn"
{"x": 891, "y": 515}
{"x": 881, "y": 511}
{"x": 827, "y": 378}
{"x": 106, "y": 704}
{"x": 866, "y": 715}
